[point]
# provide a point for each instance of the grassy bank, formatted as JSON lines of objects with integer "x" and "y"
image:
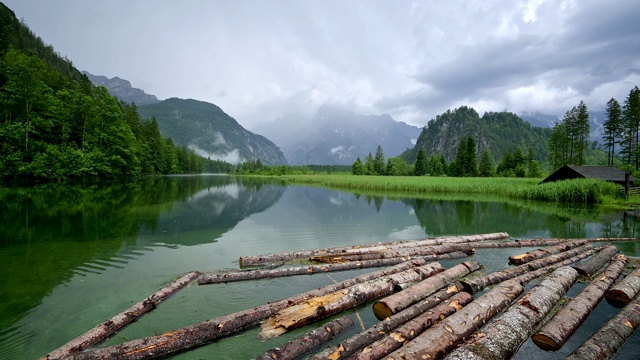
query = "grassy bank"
{"x": 580, "y": 191}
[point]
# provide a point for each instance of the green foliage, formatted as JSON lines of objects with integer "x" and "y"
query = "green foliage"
{"x": 421, "y": 167}
{"x": 485, "y": 167}
{"x": 612, "y": 128}
{"x": 378, "y": 162}
{"x": 357, "y": 168}
{"x": 396, "y": 166}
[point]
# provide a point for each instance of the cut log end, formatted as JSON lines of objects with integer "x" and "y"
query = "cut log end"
{"x": 545, "y": 342}
{"x": 517, "y": 259}
{"x": 617, "y": 298}
{"x": 381, "y": 310}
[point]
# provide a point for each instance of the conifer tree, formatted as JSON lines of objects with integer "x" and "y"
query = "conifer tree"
{"x": 612, "y": 128}
{"x": 421, "y": 163}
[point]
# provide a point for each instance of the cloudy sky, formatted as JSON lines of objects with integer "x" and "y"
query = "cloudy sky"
{"x": 259, "y": 60}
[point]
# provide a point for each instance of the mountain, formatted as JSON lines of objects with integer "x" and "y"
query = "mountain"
{"x": 497, "y": 131}
{"x": 210, "y": 132}
{"x": 337, "y": 137}
{"x": 596, "y": 122}
{"x": 122, "y": 89}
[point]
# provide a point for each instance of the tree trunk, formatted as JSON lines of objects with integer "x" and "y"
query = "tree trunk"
{"x": 377, "y": 331}
{"x": 403, "y": 299}
{"x": 503, "y": 336}
{"x": 442, "y": 337}
{"x": 559, "y": 329}
{"x": 232, "y": 276}
{"x": 609, "y": 339}
{"x": 301, "y": 254}
{"x": 531, "y": 275}
{"x": 109, "y": 327}
{"x": 373, "y": 257}
{"x": 594, "y": 264}
{"x": 626, "y": 289}
{"x": 540, "y": 253}
{"x": 211, "y": 330}
{"x": 474, "y": 285}
{"x": 309, "y": 341}
{"x": 392, "y": 253}
{"x": 413, "y": 328}
{"x": 324, "y": 306}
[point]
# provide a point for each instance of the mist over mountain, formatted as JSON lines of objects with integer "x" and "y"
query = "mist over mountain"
{"x": 596, "y": 122}
{"x": 210, "y": 132}
{"x": 122, "y": 89}
{"x": 335, "y": 136}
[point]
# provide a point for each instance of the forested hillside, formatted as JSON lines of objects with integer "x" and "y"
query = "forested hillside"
{"x": 56, "y": 126}
{"x": 499, "y": 132}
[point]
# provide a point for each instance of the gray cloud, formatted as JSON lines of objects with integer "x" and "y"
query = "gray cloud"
{"x": 262, "y": 60}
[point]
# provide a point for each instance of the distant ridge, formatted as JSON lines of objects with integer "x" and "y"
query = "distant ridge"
{"x": 122, "y": 89}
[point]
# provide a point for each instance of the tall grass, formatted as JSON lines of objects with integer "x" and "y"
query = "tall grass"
{"x": 579, "y": 191}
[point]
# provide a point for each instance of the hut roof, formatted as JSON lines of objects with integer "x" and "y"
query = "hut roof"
{"x": 607, "y": 173}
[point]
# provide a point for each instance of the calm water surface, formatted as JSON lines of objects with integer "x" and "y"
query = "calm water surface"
{"x": 73, "y": 257}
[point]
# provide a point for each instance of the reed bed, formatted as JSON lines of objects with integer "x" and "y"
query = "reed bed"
{"x": 580, "y": 191}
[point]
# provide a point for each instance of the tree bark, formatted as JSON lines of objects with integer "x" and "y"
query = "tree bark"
{"x": 609, "y": 339}
{"x": 474, "y": 285}
{"x": 403, "y": 299}
{"x": 232, "y": 276}
{"x": 559, "y": 329}
{"x": 377, "y": 331}
{"x": 392, "y": 253}
{"x": 540, "y": 253}
{"x": 596, "y": 263}
{"x": 324, "y": 306}
{"x": 309, "y": 341}
{"x": 413, "y": 328}
{"x": 626, "y": 289}
{"x": 211, "y": 330}
{"x": 532, "y": 275}
{"x": 253, "y": 260}
{"x": 503, "y": 336}
{"x": 435, "y": 342}
{"x": 109, "y": 327}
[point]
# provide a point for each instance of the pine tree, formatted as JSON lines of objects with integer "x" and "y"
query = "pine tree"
{"x": 379, "y": 162}
{"x": 582, "y": 132}
{"x": 632, "y": 124}
{"x": 421, "y": 163}
{"x": 485, "y": 167}
{"x": 612, "y": 128}
{"x": 357, "y": 168}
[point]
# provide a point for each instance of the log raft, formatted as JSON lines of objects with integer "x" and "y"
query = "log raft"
{"x": 563, "y": 324}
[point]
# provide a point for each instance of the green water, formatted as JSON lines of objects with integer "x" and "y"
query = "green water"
{"x": 73, "y": 257}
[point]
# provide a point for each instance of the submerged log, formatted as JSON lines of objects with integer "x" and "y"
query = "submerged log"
{"x": 474, "y": 285}
{"x": 232, "y": 276}
{"x": 324, "y": 306}
{"x": 609, "y": 339}
{"x": 378, "y": 330}
{"x": 409, "y": 331}
{"x": 540, "y": 253}
{"x": 214, "y": 329}
{"x": 309, "y": 341}
{"x": 435, "y": 342}
{"x": 503, "y": 336}
{"x": 555, "y": 333}
{"x": 109, "y": 327}
{"x": 403, "y": 299}
{"x": 626, "y": 289}
{"x": 252, "y": 260}
{"x": 594, "y": 264}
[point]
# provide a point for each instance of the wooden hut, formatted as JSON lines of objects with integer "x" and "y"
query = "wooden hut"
{"x": 607, "y": 173}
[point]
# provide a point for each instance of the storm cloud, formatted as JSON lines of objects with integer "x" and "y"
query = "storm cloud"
{"x": 259, "y": 60}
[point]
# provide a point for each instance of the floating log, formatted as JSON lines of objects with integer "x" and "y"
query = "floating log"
{"x": 532, "y": 275}
{"x": 543, "y": 242}
{"x": 474, "y": 285}
{"x": 393, "y": 253}
{"x": 503, "y": 336}
{"x": 214, "y": 329}
{"x": 411, "y": 295}
{"x": 596, "y": 263}
{"x": 559, "y": 329}
{"x": 626, "y": 289}
{"x": 378, "y": 330}
{"x": 109, "y": 327}
{"x": 253, "y": 260}
{"x": 609, "y": 339}
{"x": 442, "y": 337}
{"x": 540, "y": 253}
{"x": 243, "y": 275}
{"x": 413, "y": 328}
{"x": 309, "y": 341}
{"x": 324, "y": 306}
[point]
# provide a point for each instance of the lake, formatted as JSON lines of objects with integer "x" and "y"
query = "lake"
{"x": 73, "y": 257}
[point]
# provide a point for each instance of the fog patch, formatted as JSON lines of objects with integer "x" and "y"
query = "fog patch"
{"x": 232, "y": 157}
